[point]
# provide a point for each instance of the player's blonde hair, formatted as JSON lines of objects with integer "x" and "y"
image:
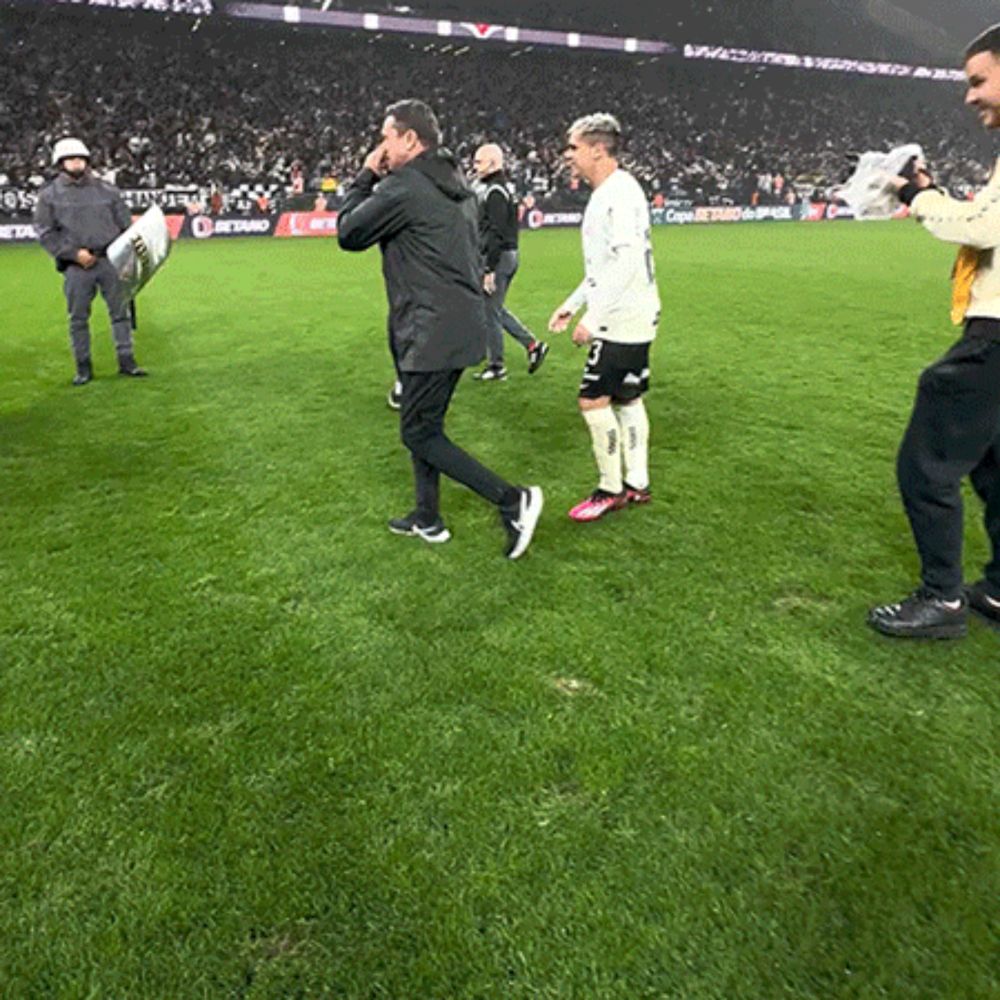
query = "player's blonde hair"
{"x": 599, "y": 127}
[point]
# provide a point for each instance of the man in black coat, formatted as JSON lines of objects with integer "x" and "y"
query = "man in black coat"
{"x": 411, "y": 199}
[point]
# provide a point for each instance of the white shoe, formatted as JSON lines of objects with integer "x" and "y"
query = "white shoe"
{"x": 521, "y": 521}
{"x": 395, "y": 396}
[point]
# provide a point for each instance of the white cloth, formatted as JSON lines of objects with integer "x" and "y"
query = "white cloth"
{"x": 619, "y": 289}
{"x": 868, "y": 190}
{"x": 139, "y": 252}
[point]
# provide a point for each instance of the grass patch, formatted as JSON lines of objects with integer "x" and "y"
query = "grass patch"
{"x": 252, "y": 745}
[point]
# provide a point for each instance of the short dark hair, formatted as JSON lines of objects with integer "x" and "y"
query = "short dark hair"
{"x": 988, "y": 41}
{"x": 416, "y": 115}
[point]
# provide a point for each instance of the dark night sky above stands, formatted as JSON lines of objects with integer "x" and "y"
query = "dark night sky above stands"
{"x": 832, "y": 27}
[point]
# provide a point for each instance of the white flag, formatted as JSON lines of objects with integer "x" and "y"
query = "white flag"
{"x": 141, "y": 250}
{"x": 868, "y": 190}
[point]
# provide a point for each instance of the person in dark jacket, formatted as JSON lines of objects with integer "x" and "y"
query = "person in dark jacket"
{"x": 77, "y": 216}
{"x": 411, "y": 200}
{"x": 498, "y": 232}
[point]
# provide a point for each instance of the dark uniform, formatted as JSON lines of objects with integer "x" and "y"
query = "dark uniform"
{"x": 423, "y": 216}
{"x": 498, "y": 233}
{"x": 87, "y": 213}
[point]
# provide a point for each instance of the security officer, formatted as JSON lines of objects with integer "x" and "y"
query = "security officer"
{"x": 77, "y": 216}
{"x": 498, "y": 232}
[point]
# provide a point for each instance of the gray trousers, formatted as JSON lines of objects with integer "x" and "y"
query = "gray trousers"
{"x": 501, "y": 318}
{"x": 80, "y": 286}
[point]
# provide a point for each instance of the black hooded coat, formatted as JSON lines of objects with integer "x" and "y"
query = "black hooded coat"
{"x": 425, "y": 219}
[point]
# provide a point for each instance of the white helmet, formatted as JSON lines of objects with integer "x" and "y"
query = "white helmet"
{"x": 65, "y": 148}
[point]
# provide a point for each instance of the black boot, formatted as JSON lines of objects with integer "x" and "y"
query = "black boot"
{"x": 127, "y": 366}
{"x": 84, "y": 372}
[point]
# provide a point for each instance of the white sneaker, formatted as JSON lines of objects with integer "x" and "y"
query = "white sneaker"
{"x": 395, "y": 396}
{"x": 521, "y": 521}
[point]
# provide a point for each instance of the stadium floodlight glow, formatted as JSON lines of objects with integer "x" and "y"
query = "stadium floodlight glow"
{"x": 322, "y": 17}
{"x": 482, "y": 31}
{"x": 485, "y": 32}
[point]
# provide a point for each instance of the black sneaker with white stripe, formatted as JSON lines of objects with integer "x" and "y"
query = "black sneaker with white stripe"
{"x": 536, "y": 355}
{"x": 434, "y": 533}
{"x": 984, "y": 600}
{"x": 922, "y": 615}
{"x": 521, "y": 518}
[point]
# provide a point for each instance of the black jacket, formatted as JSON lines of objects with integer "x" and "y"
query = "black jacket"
{"x": 497, "y": 218}
{"x": 72, "y": 215}
{"x": 423, "y": 216}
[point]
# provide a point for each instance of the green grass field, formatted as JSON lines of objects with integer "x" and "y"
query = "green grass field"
{"x": 254, "y": 746}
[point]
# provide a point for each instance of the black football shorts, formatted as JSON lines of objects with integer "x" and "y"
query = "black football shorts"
{"x": 620, "y": 371}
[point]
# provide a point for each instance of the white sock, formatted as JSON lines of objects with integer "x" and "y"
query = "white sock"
{"x": 634, "y": 425}
{"x": 605, "y": 436}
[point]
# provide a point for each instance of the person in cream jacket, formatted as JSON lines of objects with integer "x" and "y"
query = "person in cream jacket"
{"x": 954, "y": 429}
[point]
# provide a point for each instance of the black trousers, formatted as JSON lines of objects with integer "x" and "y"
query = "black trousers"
{"x": 426, "y": 396}
{"x": 954, "y": 431}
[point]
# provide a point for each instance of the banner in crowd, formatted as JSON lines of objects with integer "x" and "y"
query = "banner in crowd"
{"x": 537, "y": 218}
{"x": 678, "y": 216}
{"x": 820, "y": 211}
{"x": 829, "y": 64}
{"x": 206, "y": 227}
{"x": 307, "y": 224}
{"x": 196, "y": 8}
{"x": 22, "y": 201}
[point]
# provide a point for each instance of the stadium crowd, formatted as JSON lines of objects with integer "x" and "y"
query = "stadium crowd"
{"x": 171, "y": 101}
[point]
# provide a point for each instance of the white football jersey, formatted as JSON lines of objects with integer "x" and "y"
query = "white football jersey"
{"x": 619, "y": 289}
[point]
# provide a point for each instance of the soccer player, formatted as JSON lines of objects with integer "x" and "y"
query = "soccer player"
{"x": 498, "y": 233}
{"x": 622, "y": 310}
{"x": 954, "y": 429}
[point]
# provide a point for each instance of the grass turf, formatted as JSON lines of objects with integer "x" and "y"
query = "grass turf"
{"x": 252, "y": 745}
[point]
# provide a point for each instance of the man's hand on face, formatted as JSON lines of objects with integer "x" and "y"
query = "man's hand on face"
{"x": 375, "y": 161}
{"x": 85, "y": 258}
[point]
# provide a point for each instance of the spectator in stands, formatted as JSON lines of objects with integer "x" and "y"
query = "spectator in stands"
{"x": 699, "y": 130}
